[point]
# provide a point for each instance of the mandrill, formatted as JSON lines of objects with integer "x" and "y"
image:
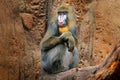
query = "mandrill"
{"x": 58, "y": 47}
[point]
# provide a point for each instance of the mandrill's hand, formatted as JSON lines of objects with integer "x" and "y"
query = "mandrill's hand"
{"x": 69, "y": 39}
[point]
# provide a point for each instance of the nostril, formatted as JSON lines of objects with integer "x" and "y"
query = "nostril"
{"x": 61, "y": 22}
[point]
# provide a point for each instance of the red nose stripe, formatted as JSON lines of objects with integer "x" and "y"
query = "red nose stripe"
{"x": 61, "y": 17}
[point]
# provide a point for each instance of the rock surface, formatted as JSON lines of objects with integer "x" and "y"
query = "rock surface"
{"x": 23, "y": 23}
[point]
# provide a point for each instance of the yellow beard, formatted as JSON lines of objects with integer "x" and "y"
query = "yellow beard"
{"x": 64, "y": 29}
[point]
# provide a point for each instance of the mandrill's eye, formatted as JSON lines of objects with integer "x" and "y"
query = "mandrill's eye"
{"x": 65, "y": 12}
{"x": 62, "y": 12}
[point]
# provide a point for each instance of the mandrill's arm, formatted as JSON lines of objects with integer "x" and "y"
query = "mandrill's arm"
{"x": 51, "y": 38}
{"x": 50, "y": 43}
{"x": 70, "y": 37}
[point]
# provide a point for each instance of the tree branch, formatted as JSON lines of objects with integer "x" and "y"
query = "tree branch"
{"x": 107, "y": 70}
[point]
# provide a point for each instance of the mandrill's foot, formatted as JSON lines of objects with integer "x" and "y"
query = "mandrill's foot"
{"x": 42, "y": 73}
{"x": 65, "y": 68}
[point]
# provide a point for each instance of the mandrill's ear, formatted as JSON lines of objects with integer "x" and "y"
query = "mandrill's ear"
{"x": 71, "y": 14}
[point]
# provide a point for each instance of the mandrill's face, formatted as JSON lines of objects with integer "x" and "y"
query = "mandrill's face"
{"x": 62, "y": 18}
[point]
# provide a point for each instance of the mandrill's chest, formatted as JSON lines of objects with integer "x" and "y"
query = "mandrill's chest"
{"x": 63, "y": 29}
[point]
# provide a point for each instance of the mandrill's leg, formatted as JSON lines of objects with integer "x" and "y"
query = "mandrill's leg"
{"x": 70, "y": 59}
{"x": 67, "y": 59}
{"x": 51, "y": 62}
{"x": 75, "y": 59}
